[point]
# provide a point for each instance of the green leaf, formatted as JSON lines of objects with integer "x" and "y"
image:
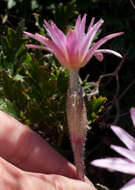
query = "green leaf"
{"x": 18, "y": 77}
{"x": 95, "y": 106}
{"x": 11, "y": 4}
{"x": 8, "y": 107}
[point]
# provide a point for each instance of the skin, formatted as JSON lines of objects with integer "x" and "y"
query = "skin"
{"x": 28, "y": 162}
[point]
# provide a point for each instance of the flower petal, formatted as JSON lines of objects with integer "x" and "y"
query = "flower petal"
{"x": 109, "y": 51}
{"x": 82, "y": 24}
{"x": 49, "y": 46}
{"x": 77, "y": 24}
{"x": 80, "y": 33}
{"x": 129, "y": 154}
{"x": 72, "y": 49}
{"x": 59, "y": 54}
{"x": 29, "y": 35}
{"x": 57, "y": 37}
{"x": 98, "y": 44}
{"x": 52, "y": 31}
{"x": 116, "y": 164}
{"x": 91, "y": 23}
{"x": 42, "y": 39}
{"x": 38, "y": 37}
{"x": 36, "y": 46}
{"x": 89, "y": 38}
{"x": 99, "y": 56}
{"x": 130, "y": 185}
{"x": 60, "y": 35}
{"x": 132, "y": 112}
{"x": 125, "y": 137}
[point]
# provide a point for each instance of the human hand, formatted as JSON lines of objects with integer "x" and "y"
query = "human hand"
{"x": 29, "y": 162}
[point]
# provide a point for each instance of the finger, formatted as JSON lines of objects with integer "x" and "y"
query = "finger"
{"x": 57, "y": 182}
{"x": 14, "y": 178}
{"x": 10, "y": 176}
{"x": 27, "y": 150}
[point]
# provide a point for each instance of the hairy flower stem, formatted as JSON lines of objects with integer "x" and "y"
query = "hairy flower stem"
{"x": 77, "y": 121}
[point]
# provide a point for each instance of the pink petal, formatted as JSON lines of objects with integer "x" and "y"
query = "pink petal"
{"x": 53, "y": 34}
{"x": 89, "y": 38}
{"x": 57, "y": 52}
{"x": 115, "y": 164}
{"x": 59, "y": 33}
{"x": 125, "y": 137}
{"x": 36, "y": 46}
{"x": 58, "y": 37}
{"x": 98, "y": 44}
{"x": 82, "y": 24}
{"x": 129, "y": 154}
{"x": 49, "y": 30}
{"x": 29, "y": 35}
{"x": 109, "y": 51}
{"x": 132, "y": 112}
{"x": 99, "y": 56}
{"x": 42, "y": 39}
{"x": 80, "y": 31}
{"x": 53, "y": 49}
{"x": 130, "y": 185}
{"x": 91, "y": 23}
{"x": 74, "y": 40}
{"x": 77, "y": 24}
{"x": 72, "y": 48}
{"x": 92, "y": 31}
{"x": 71, "y": 39}
{"x": 38, "y": 37}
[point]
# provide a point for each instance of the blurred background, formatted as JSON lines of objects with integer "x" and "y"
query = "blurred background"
{"x": 33, "y": 84}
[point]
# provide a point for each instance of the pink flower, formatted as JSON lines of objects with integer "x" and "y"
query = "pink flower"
{"x": 127, "y": 163}
{"x": 75, "y": 49}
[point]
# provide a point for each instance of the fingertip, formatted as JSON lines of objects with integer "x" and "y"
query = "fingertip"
{"x": 65, "y": 183}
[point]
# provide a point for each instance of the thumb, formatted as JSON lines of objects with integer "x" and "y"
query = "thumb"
{"x": 57, "y": 182}
{"x": 65, "y": 183}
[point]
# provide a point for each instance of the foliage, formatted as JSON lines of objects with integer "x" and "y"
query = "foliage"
{"x": 95, "y": 107}
{"x": 33, "y": 86}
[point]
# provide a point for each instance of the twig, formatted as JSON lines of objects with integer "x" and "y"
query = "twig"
{"x": 125, "y": 91}
{"x": 132, "y": 3}
{"x": 111, "y": 74}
